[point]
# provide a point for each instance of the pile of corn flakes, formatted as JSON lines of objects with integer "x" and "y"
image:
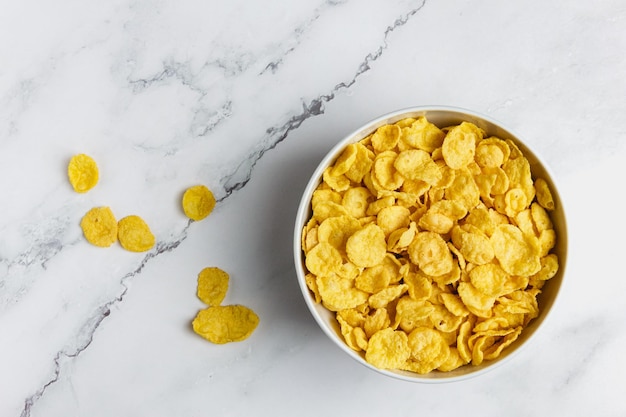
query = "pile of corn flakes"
{"x": 430, "y": 245}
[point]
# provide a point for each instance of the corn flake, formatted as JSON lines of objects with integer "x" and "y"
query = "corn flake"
{"x": 225, "y": 324}
{"x": 418, "y": 165}
{"x": 198, "y": 202}
{"x": 459, "y": 145}
{"x": 134, "y": 234}
{"x": 388, "y": 349}
{"x": 99, "y": 226}
{"x": 83, "y": 173}
{"x": 367, "y": 246}
{"x": 212, "y": 285}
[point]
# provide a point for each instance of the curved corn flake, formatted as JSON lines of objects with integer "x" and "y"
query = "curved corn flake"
{"x": 450, "y": 277}
{"x": 517, "y": 253}
{"x": 339, "y": 293}
{"x": 400, "y": 239}
{"x": 325, "y": 209}
{"x": 198, "y": 202}
{"x": 515, "y": 201}
{"x": 478, "y": 303}
{"x": 352, "y": 316}
{"x": 384, "y": 174}
{"x": 450, "y": 208}
{"x": 212, "y": 285}
{"x": 225, "y": 324}
{"x": 453, "y": 362}
{"x": 322, "y": 196}
{"x": 459, "y": 145}
{"x": 386, "y": 138}
{"x": 415, "y": 188}
{"x": 540, "y": 217}
{"x": 514, "y": 283}
{"x": 492, "y": 152}
{"x": 373, "y": 279}
{"x": 345, "y": 160}
{"x": 361, "y": 165}
{"x": 496, "y": 349}
{"x": 417, "y": 165}
{"x": 454, "y": 304}
{"x": 549, "y": 268}
{"x": 396, "y": 268}
{"x": 393, "y": 218}
{"x": 420, "y": 285}
{"x": 443, "y": 320}
{"x": 488, "y": 345}
{"x": 411, "y": 313}
{"x": 387, "y": 295}
{"x": 547, "y": 240}
{"x": 323, "y": 259}
{"x": 430, "y": 253}
{"x": 337, "y": 230}
{"x": 463, "y": 190}
{"x": 388, "y": 349}
{"x": 519, "y": 174}
{"x": 311, "y": 283}
{"x": 544, "y": 195}
{"x": 462, "y": 339}
{"x": 524, "y": 221}
{"x": 436, "y": 222}
{"x": 349, "y": 334}
{"x": 309, "y": 235}
{"x": 348, "y": 270}
{"x": 429, "y": 350}
{"x": 356, "y": 200}
{"x": 134, "y": 234}
{"x": 337, "y": 183}
{"x": 479, "y": 217}
{"x": 375, "y": 321}
{"x": 82, "y": 172}
{"x": 489, "y": 279}
{"x": 422, "y": 134}
{"x": 367, "y": 246}
{"x": 99, "y": 226}
{"x": 406, "y": 122}
{"x": 476, "y": 248}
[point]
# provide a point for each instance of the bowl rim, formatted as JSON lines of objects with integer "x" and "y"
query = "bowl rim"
{"x": 303, "y": 214}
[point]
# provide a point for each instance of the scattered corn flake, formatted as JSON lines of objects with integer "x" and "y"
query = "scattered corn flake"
{"x": 100, "y": 226}
{"x": 198, "y": 202}
{"x": 212, "y": 285}
{"x": 225, "y": 324}
{"x": 134, "y": 234}
{"x": 82, "y": 172}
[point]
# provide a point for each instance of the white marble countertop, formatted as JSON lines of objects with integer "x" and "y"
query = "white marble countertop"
{"x": 246, "y": 97}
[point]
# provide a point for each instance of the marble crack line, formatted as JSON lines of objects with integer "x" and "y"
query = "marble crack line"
{"x": 93, "y": 323}
{"x": 275, "y": 135}
{"x": 296, "y": 38}
{"x": 174, "y": 70}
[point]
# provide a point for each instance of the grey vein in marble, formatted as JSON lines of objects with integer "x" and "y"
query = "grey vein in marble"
{"x": 92, "y": 323}
{"x": 276, "y": 134}
{"x": 295, "y": 40}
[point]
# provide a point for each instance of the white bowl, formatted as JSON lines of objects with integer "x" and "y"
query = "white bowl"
{"x": 441, "y": 116}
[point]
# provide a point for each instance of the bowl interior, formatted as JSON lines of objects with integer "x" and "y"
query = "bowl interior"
{"x": 442, "y": 117}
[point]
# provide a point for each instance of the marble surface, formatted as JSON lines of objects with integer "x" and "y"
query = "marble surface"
{"x": 246, "y": 97}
